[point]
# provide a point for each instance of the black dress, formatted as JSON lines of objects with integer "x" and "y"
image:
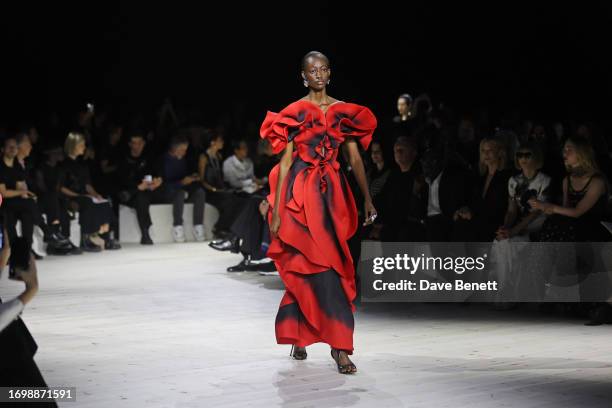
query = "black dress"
{"x": 75, "y": 176}
{"x": 586, "y": 228}
{"x": 488, "y": 211}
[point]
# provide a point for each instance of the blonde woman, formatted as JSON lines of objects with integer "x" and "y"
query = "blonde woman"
{"x": 578, "y": 219}
{"x": 489, "y": 202}
{"x": 95, "y": 212}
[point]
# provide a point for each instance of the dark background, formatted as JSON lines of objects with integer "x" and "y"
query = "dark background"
{"x": 549, "y": 60}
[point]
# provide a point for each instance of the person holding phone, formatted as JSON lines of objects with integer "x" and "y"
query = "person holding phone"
{"x": 182, "y": 182}
{"x": 140, "y": 184}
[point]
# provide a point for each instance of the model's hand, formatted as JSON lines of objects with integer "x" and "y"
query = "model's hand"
{"x": 275, "y": 225}
{"x": 370, "y": 212}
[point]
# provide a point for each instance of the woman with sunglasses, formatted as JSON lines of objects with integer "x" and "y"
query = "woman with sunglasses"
{"x": 520, "y": 222}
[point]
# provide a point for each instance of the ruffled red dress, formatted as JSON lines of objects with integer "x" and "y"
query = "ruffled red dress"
{"x": 318, "y": 216}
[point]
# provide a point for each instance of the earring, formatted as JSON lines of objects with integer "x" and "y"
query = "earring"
{"x": 306, "y": 83}
{"x": 328, "y": 81}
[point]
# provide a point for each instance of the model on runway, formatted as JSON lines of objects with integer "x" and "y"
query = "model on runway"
{"x": 313, "y": 213}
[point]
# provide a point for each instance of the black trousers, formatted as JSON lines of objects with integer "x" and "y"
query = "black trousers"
{"x": 49, "y": 204}
{"x": 141, "y": 201}
{"x": 249, "y": 225}
{"x": 24, "y": 210}
{"x": 91, "y": 215}
{"x": 176, "y": 196}
{"x": 229, "y": 204}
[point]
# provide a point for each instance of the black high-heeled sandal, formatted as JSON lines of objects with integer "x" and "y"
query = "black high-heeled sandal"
{"x": 349, "y": 368}
{"x": 298, "y": 354}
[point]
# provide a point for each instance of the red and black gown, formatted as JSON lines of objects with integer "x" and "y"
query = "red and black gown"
{"x": 318, "y": 216}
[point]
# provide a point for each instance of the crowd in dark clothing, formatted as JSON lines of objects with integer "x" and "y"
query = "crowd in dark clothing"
{"x": 434, "y": 176}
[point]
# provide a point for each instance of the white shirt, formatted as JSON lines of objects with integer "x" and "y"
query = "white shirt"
{"x": 9, "y": 311}
{"x": 433, "y": 202}
{"x": 237, "y": 173}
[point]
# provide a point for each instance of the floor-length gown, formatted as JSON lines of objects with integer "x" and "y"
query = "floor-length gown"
{"x": 318, "y": 215}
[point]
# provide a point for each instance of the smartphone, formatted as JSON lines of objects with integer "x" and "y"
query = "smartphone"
{"x": 20, "y": 257}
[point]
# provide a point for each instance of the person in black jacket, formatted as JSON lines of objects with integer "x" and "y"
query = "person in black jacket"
{"x": 140, "y": 184}
{"x": 448, "y": 187}
{"x": 486, "y": 211}
{"x": 401, "y": 199}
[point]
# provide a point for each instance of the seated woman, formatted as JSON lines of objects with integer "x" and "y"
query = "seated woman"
{"x": 521, "y": 221}
{"x": 377, "y": 175}
{"x": 480, "y": 220}
{"x": 95, "y": 213}
{"x": 210, "y": 172}
{"x": 578, "y": 218}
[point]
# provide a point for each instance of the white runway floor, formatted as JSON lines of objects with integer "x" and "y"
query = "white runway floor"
{"x": 168, "y": 327}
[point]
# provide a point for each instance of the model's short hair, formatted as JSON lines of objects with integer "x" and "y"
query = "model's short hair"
{"x": 406, "y": 97}
{"x": 313, "y": 54}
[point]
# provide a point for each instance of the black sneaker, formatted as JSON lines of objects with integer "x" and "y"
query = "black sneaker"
{"x": 112, "y": 244}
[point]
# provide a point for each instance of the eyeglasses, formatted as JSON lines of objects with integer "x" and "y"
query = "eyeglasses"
{"x": 523, "y": 155}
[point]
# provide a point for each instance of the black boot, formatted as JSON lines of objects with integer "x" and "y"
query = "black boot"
{"x": 146, "y": 238}
{"x": 109, "y": 241}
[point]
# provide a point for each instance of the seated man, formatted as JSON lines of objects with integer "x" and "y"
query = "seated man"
{"x": 251, "y": 228}
{"x": 181, "y": 181}
{"x": 19, "y": 200}
{"x": 139, "y": 184}
{"x": 448, "y": 187}
{"x": 401, "y": 199}
{"x": 238, "y": 170}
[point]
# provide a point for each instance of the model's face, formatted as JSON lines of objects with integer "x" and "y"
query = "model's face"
{"x": 570, "y": 158}
{"x": 403, "y": 107}
{"x": 317, "y": 73}
{"x": 10, "y": 148}
{"x": 137, "y": 145}
{"x": 376, "y": 154}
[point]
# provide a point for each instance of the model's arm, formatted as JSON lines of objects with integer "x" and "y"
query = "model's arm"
{"x": 359, "y": 171}
{"x": 284, "y": 165}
